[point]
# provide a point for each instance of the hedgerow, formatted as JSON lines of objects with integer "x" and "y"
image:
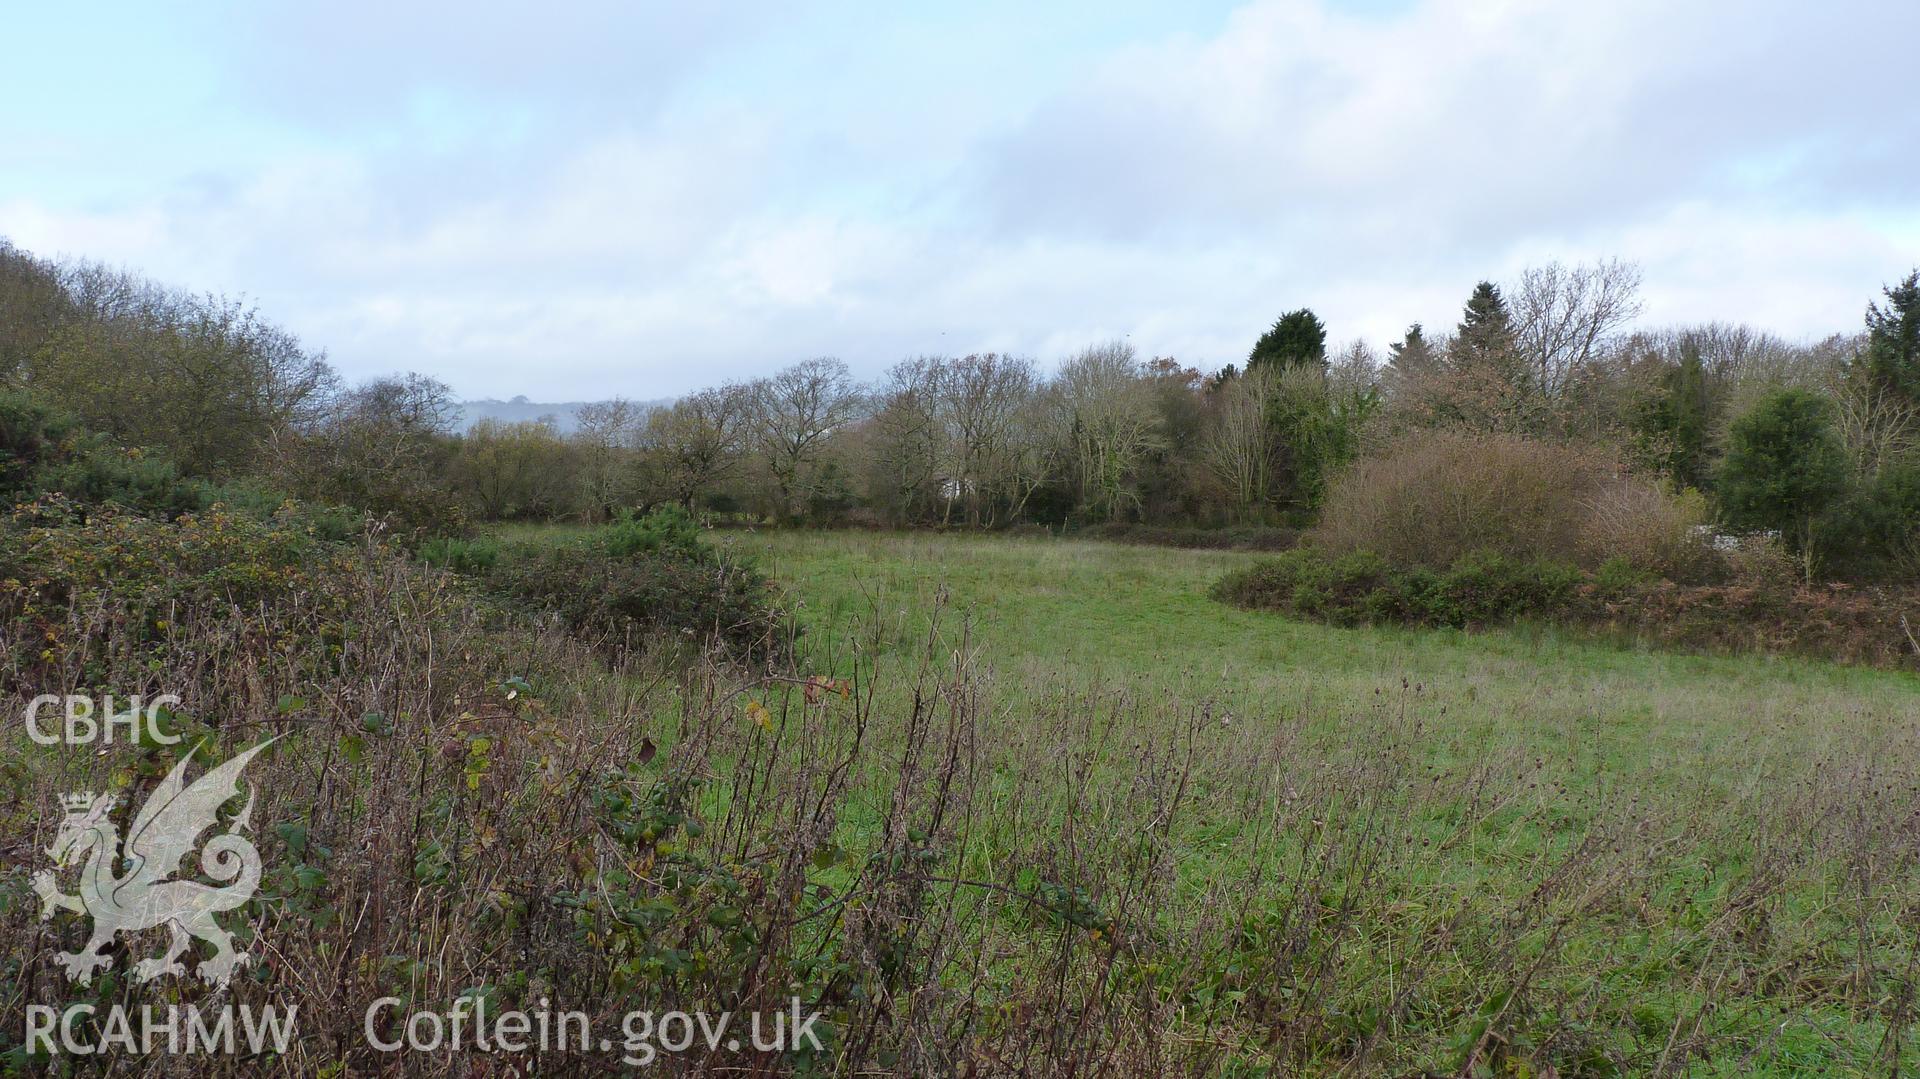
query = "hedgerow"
{"x": 1762, "y": 611}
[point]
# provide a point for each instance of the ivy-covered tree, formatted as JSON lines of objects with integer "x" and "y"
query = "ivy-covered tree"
{"x": 1670, "y": 423}
{"x": 1314, "y": 422}
{"x": 1785, "y": 466}
{"x": 1296, "y": 339}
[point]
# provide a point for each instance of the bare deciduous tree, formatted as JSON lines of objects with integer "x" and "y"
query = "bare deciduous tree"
{"x": 205, "y": 377}
{"x": 795, "y": 412}
{"x": 1106, "y": 411}
{"x": 1564, "y": 316}
{"x": 980, "y": 398}
{"x": 1030, "y": 457}
{"x": 1236, "y": 445}
{"x": 384, "y": 447}
{"x": 1877, "y": 424}
{"x": 33, "y": 303}
{"x": 604, "y": 441}
{"x": 1356, "y": 369}
{"x": 691, "y": 446}
{"x": 512, "y": 470}
{"x": 906, "y": 443}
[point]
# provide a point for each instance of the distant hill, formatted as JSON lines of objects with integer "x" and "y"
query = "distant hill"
{"x": 518, "y": 410}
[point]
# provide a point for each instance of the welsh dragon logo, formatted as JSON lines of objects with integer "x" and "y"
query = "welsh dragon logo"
{"x": 142, "y": 897}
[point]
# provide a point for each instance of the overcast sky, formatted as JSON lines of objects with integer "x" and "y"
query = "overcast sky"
{"x": 573, "y": 200}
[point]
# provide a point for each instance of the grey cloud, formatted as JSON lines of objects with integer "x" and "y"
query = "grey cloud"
{"x": 646, "y": 232}
{"x": 343, "y": 65}
{"x": 1455, "y": 120}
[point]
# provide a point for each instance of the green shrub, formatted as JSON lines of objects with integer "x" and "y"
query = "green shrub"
{"x": 45, "y": 454}
{"x": 1769, "y": 612}
{"x": 30, "y": 436}
{"x": 1484, "y": 588}
{"x": 473, "y": 557}
{"x": 1618, "y": 575}
{"x": 155, "y": 572}
{"x": 1875, "y": 533}
{"x": 666, "y": 530}
{"x": 1361, "y": 588}
{"x": 620, "y": 602}
{"x": 637, "y": 578}
{"x": 1785, "y": 465}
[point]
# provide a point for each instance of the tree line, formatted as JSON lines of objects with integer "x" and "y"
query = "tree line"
{"x": 1791, "y": 437}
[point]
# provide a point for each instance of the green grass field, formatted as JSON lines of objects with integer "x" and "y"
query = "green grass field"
{"x": 1293, "y": 848}
{"x": 1715, "y": 778}
{"x": 1141, "y": 617}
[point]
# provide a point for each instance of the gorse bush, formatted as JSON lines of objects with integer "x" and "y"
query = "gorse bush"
{"x": 46, "y": 454}
{"x": 1362, "y": 588}
{"x": 1763, "y": 610}
{"x": 29, "y": 436}
{"x": 622, "y": 603}
{"x": 665, "y": 530}
{"x": 1482, "y": 588}
{"x": 640, "y": 579}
